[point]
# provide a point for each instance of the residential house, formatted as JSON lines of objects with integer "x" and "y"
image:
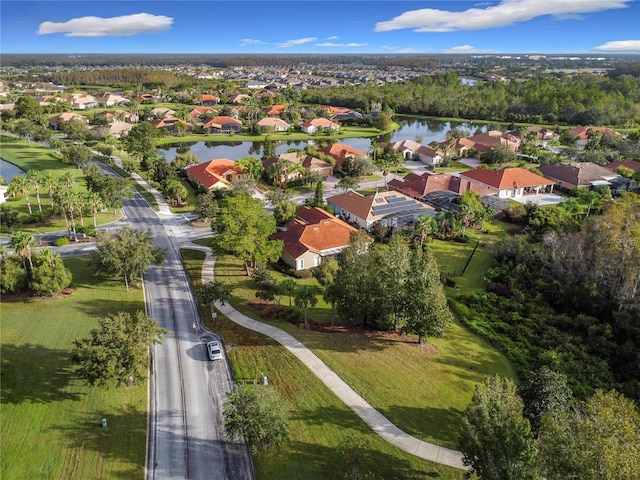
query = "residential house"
{"x": 146, "y": 98}
{"x": 313, "y": 236}
{"x": 202, "y": 113}
{"x": 3, "y": 193}
{"x": 207, "y": 99}
{"x": 117, "y": 115}
{"x": 275, "y": 110}
{"x": 312, "y": 126}
{"x": 578, "y": 175}
{"x": 584, "y": 133}
{"x": 273, "y": 124}
{"x": 214, "y": 174}
{"x": 223, "y": 124}
{"x": 170, "y": 124}
{"x": 65, "y": 117}
{"x": 115, "y": 128}
{"x": 390, "y": 208}
{"x": 341, "y": 152}
{"x": 630, "y": 164}
{"x": 163, "y": 112}
{"x": 307, "y": 162}
{"x": 80, "y": 101}
{"x": 509, "y": 182}
{"x": 541, "y": 136}
{"x": 414, "y": 151}
{"x": 239, "y": 98}
{"x": 256, "y": 84}
{"x": 111, "y": 100}
{"x": 417, "y": 186}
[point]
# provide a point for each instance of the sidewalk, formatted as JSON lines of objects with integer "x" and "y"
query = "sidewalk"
{"x": 380, "y": 424}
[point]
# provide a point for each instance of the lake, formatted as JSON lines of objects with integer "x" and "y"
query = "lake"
{"x": 428, "y": 130}
{"x": 9, "y": 170}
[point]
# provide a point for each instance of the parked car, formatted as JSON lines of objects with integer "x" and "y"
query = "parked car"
{"x": 214, "y": 350}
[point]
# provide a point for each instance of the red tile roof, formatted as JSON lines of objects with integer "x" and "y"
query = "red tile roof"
{"x": 633, "y": 165}
{"x": 214, "y": 172}
{"x": 219, "y": 122}
{"x": 506, "y": 178}
{"x": 341, "y": 152}
{"x": 418, "y": 186}
{"x": 314, "y": 230}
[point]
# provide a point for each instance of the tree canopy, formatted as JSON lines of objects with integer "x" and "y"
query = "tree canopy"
{"x": 117, "y": 352}
{"x": 128, "y": 252}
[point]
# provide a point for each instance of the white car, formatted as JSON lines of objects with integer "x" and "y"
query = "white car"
{"x": 214, "y": 350}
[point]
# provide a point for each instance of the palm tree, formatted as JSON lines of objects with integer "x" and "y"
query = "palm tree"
{"x": 594, "y": 200}
{"x": 251, "y": 166}
{"x": 35, "y": 178}
{"x": 49, "y": 183}
{"x": 425, "y": 226}
{"x": 79, "y": 204}
{"x": 21, "y": 185}
{"x": 21, "y": 242}
{"x": 95, "y": 203}
{"x": 68, "y": 179}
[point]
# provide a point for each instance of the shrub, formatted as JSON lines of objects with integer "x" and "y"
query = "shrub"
{"x": 281, "y": 312}
{"x": 61, "y": 242}
{"x": 304, "y": 273}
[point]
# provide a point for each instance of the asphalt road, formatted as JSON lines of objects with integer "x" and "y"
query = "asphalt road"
{"x": 186, "y": 390}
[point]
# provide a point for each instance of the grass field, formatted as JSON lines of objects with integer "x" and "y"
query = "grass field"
{"x": 50, "y": 425}
{"x": 32, "y": 156}
{"x": 320, "y": 424}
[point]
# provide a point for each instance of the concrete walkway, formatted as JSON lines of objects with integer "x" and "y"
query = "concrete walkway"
{"x": 380, "y": 424}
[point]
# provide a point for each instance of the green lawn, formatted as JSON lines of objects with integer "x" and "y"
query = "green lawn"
{"x": 319, "y": 422}
{"x": 50, "y": 424}
{"x": 32, "y": 156}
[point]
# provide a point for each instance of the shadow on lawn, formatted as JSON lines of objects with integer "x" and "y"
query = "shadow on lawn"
{"x": 34, "y": 373}
{"x": 356, "y": 456}
{"x": 443, "y": 422}
{"x": 105, "y": 307}
{"x": 124, "y": 423}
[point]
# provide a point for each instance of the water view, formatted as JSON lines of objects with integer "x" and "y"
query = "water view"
{"x": 424, "y": 130}
{"x": 8, "y": 171}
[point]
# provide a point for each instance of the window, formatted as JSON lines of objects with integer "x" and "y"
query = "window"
{"x": 316, "y": 260}
{"x": 301, "y": 264}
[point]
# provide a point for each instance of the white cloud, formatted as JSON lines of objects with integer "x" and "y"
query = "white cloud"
{"x": 408, "y": 50}
{"x": 630, "y": 46}
{"x": 504, "y": 13}
{"x": 466, "y": 49}
{"x": 333, "y": 37}
{"x": 125, "y": 25}
{"x": 298, "y": 41}
{"x": 250, "y": 41}
{"x": 331, "y": 44}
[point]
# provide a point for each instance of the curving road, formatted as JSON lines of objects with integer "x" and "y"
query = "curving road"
{"x": 186, "y": 391}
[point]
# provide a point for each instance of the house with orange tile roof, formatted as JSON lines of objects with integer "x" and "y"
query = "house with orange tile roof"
{"x": 222, "y": 124}
{"x": 313, "y": 236}
{"x": 207, "y": 99}
{"x": 81, "y": 101}
{"x": 313, "y": 126}
{"x": 274, "y": 110}
{"x": 584, "y": 133}
{"x": 111, "y": 100}
{"x": 200, "y": 113}
{"x": 509, "y": 182}
{"x": 214, "y": 174}
{"x": 117, "y": 115}
{"x": 170, "y": 124}
{"x": 273, "y": 124}
{"x": 146, "y": 98}
{"x": 390, "y": 208}
{"x": 239, "y": 98}
{"x": 341, "y": 152}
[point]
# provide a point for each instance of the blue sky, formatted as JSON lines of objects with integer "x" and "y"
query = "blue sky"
{"x": 310, "y": 26}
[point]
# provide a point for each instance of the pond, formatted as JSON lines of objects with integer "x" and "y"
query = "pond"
{"x": 9, "y": 171}
{"x": 425, "y": 130}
